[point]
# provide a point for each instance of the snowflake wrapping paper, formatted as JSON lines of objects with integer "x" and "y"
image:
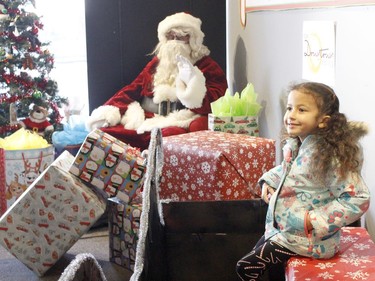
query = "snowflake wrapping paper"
{"x": 50, "y": 216}
{"x": 214, "y": 166}
{"x": 354, "y": 261}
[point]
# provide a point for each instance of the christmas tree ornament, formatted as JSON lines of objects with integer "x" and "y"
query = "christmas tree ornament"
{"x": 13, "y": 113}
{"x": 2, "y": 54}
{"x": 28, "y": 62}
{"x": 37, "y": 95}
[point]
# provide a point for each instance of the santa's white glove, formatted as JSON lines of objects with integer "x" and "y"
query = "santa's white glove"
{"x": 103, "y": 116}
{"x": 185, "y": 69}
{"x": 133, "y": 117}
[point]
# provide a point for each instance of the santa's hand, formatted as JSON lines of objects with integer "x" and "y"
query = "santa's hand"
{"x": 133, "y": 117}
{"x": 185, "y": 69}
{"x": 103, "y": 116}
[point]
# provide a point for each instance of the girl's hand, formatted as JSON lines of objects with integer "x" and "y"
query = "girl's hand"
{"x": 267, "y": 192}
{"x": 309, "y": 225}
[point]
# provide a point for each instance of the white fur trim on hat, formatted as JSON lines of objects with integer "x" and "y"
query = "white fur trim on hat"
{"x": 183, "y": 20}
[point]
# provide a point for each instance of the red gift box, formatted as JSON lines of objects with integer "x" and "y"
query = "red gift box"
{"x": 208, "y": 165}
{"x": 354, "y": 261}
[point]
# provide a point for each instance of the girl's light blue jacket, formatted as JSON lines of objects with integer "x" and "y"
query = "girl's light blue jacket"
{"x": 298, "y": 194}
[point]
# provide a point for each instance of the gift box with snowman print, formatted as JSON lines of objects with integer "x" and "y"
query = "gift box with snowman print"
{"x": 111, "y": 166}
{"x": 123, "y": 225}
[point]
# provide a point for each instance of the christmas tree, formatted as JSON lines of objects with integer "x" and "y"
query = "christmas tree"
{"x": 25, "y": 64}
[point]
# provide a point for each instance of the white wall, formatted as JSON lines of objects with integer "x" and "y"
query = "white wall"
{"x": 268, "y": 53}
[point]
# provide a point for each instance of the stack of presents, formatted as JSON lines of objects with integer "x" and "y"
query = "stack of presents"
{"x": 65, "y": 200}
{"x": 56, "y": 207}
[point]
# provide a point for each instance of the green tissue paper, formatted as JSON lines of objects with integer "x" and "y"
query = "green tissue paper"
{"x": 243, "y": 104}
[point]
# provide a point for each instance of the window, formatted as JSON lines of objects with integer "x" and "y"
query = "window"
{"x": 64, "y": 28}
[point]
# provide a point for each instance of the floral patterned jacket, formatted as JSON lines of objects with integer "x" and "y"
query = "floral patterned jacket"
{"x": 297, "y": 195}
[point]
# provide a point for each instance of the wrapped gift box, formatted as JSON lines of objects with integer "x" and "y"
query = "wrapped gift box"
{"x": 124, "y": 222}
{"x": 247, "y": 125}
{"x": 207, "y": 165}
{"x": 110, "y": 165}
{"x": 19, "y": 168}
{"x": 354, "y": 261}
{"x": 50, "y": 216}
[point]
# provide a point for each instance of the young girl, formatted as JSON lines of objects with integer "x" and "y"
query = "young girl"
{"x": 318, "y": 187}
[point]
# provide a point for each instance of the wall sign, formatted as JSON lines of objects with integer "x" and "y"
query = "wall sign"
{"x": 319, "y": 51}
{"x": 248, "y": 6}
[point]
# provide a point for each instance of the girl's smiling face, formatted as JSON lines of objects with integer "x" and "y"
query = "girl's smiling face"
{"x": 302, "y": 116}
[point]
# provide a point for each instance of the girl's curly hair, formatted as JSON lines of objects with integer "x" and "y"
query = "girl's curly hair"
{"x": 338, "y": 149}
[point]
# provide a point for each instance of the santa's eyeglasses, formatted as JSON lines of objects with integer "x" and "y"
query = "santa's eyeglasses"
{"x": 172, "y": 35}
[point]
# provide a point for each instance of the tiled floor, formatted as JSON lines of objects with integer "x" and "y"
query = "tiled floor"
{"x": 94, "y": 242}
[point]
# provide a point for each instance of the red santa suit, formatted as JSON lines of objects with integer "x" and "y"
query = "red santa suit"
{"x": 208, "y": 83}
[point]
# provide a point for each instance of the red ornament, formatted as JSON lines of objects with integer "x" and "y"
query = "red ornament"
{"x": 39, "y": 25}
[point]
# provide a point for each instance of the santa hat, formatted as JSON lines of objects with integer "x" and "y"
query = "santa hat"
{"x": 181, "y": 20}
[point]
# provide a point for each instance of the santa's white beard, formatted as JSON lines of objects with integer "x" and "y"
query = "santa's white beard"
{"x": 167, "y": 69}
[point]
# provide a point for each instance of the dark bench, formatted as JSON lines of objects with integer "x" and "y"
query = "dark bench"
{"x": 202, "y": 241}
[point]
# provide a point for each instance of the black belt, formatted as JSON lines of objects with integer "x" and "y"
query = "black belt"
{"x": 166, "y": 107}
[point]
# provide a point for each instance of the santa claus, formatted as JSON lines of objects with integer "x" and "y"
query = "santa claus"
{"x": 173, "y": 92}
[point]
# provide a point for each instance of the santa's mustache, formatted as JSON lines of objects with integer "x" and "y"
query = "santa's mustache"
{"x": 167, "y": 69}
{"x": 170, "y": 49}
